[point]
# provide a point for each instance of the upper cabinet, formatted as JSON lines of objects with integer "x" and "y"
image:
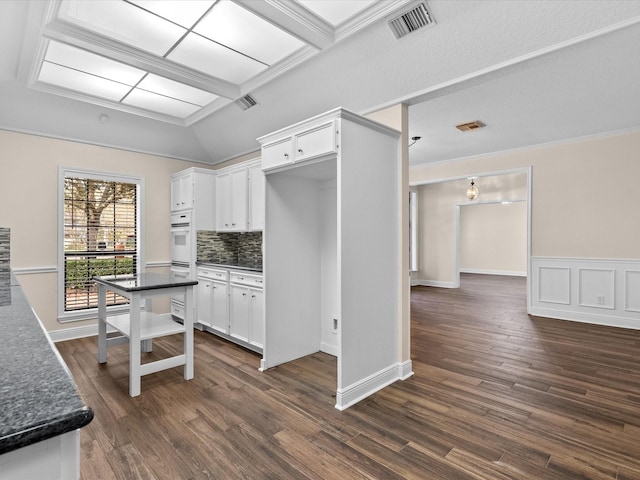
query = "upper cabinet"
{"x": 312, "y": 141}
{"x": 194, "y": 189}
{"x": 240, "y": 198}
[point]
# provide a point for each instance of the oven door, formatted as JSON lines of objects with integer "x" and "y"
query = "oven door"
{"x": 181, "y": 245}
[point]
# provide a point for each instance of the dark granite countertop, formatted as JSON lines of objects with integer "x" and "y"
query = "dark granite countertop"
{"x": 38, "y": 397}
{"x": 143, "y": 281}
{"x": 245, "y": 268}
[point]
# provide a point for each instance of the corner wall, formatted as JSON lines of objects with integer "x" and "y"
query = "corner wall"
{"x": 29, "y": 195}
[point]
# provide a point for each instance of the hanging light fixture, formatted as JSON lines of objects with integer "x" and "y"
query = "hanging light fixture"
{"x": 472, "y": 191}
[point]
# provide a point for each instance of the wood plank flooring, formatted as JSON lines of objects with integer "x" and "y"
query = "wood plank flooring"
{"x": 496, "y": 395}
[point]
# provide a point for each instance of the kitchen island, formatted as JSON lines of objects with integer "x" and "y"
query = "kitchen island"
{"x": 40, "y": 409}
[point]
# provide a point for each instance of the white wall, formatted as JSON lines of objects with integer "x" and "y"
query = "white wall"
{"x": 29, "y": 195}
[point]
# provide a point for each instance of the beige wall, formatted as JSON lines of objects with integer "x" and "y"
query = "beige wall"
{"x": 584, "y": 194}
{"x": 29, "y": 195}
{"x": 439, "y": 204}
{"x": 493, "y": 238}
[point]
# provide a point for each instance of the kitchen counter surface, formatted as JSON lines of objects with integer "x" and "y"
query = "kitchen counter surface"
{"x": 38, "y": 397}
{"x": 245, "y": 268}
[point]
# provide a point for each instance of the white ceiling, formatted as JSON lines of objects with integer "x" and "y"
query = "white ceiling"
{"x": 534, "y": 72}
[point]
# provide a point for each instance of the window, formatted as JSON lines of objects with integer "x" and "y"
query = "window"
{"x": 99, "y": 235}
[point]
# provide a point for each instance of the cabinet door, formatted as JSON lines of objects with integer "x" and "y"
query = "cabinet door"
{"x": 317, "y": 141}
{"x": 277, "y": 154}
{"x": 223, "y": 197}
{"x": 256, "y": 317}
{"x": 256, "y": 198}
{"x": 220, "y": 310}
{"x": 182, "y": 192}
{"x": 204, "y": 301}
{"x": 239, "y": 314}
{"x": 238, "y": 200}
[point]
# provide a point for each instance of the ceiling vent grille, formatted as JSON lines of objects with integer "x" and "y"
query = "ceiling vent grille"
{"x": 415, "y": 19}
{"x": 465, "y": 127}
{"x": 246, "y": 102}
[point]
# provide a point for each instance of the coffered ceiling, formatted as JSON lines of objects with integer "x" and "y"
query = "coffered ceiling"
{"x": 176, "y": 78}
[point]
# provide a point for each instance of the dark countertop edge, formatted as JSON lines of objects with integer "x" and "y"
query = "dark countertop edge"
{"x": 228, "y": 267}
{"x": 115, "y": 284}
{"x": 55, "y": 427}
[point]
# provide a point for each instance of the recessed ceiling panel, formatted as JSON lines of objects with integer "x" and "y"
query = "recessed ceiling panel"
{"x": 206, "y": 56}
{"x": 180, "y": 91}
{"x": 77, "y": 59}
{"x": 233, "y": 26}
{"x": 336, "y": 11}
{"x": 159, "y": 103}
{"x": 82, "y": 82}
{"x": 124, "y": 22}
{"x": 185, "y": 12}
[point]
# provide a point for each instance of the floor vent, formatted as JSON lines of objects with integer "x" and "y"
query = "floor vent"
{"x": 246, "y": 102}
{"x": 415, "y": 19}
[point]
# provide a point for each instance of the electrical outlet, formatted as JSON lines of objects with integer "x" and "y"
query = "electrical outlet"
{"x": 600, "y": 299}
{"x": 335, "y": 324}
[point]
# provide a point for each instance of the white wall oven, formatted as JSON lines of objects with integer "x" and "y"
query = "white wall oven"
{"x": 181, "y": 241}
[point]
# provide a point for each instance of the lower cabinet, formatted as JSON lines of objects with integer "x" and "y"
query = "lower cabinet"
{"x": 247, "y": 314}
{"x": 231, "y": 305}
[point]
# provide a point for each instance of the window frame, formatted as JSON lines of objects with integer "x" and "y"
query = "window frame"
{"x": 63, "y": 173}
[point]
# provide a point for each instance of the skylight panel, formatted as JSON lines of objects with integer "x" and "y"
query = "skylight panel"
{"x": 159, "y": 103}
{"x": 184, "y": 12}
{"x": 241, "y": 30}
{"x": 206, "y": 56}
{"x": 124, "y": 22}
{"x": 82, "y": 82}
{"x": 336, "y": 11}
{"x": 78, "y": 59}
{"x": 169, "y": 88}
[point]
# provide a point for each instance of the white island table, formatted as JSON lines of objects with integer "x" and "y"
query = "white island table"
{"x": 142, "y": 326}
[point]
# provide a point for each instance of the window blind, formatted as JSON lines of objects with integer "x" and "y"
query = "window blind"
{"x": 100, "y": 237}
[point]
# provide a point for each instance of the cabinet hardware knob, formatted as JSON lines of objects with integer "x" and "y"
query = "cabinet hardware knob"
{"x": 286, "y": 155}
{"x": 253, "y": 296}
{"x": 244, "y": 294}
{"x": 300, "y": 151}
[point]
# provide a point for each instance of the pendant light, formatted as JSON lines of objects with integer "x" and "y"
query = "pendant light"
{"x": 472, "y": 191}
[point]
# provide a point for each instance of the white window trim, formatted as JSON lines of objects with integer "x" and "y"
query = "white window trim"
{"x": 64, "y": 172}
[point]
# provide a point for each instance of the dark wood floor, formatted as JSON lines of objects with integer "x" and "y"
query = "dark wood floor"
{"x": 496, "y": 394}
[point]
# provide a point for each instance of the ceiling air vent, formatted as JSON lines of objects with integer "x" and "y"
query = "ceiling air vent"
{"x": 415, "y": 19}
{"x": 465, "y": 127}
{"x": 246, "y": 102}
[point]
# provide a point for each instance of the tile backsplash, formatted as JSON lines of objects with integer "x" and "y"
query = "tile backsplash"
{"x": 226, "y": 248}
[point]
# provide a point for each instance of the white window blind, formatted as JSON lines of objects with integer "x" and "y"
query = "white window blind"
{"x": 100, "y": 237}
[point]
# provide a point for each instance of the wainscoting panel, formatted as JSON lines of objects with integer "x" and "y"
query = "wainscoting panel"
{"x": 632, "y": 287}
{"x": 602, "y": 291}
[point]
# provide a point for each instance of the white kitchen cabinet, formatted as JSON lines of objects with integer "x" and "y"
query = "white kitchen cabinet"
{"x": 317, "y": 138}
{"x": 213, "y": 299}
{"x": 246, "y": 321}
{"x": 191, "y": 187}
{"x": 230, "y": 304}
{"x": 240, "y": 198}
{"x": 182, "y": 188}
{"x": 231, "y": 201}
{"x": 332, "y": 254}
{"x": 256, "y": 197}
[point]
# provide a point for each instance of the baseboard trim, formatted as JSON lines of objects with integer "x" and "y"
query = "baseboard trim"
{"x": 432, "y": 283}
{"x": 507, "y": 273}
{"x": 75, "y": 332}
{"x": 362, "y": 389}
{"x": 329, "y": 349}
{"x": 585, "y": 317}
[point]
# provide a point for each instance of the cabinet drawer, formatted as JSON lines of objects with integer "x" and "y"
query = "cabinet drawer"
{"x": 177, "y": 310}
{"x": 213, "y": 274}
{"x": 317, "y": 141}
{"x": 277, "y": 154}
{"x": 249, "y": 279}
{"x": 181, "y": 218}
